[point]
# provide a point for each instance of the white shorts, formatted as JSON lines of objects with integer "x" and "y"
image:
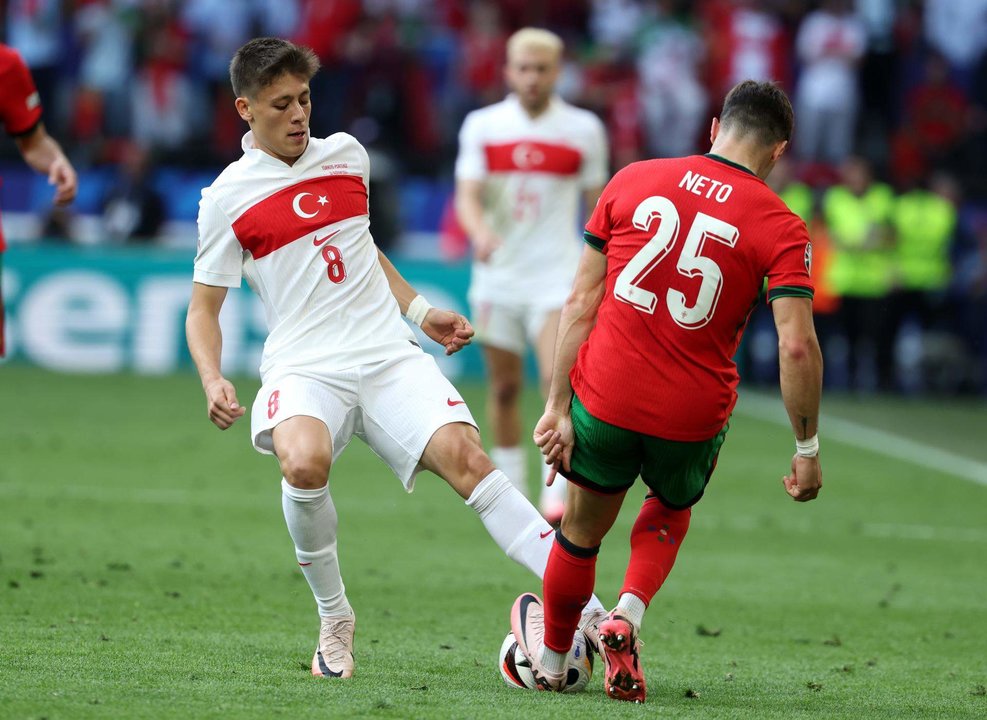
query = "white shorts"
{"x": 394, "y": 406}
{"x": 509, "y": 327}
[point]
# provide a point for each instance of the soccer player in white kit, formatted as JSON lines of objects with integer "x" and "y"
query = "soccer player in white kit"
{"x": 523, "y": 165}
{"x": 291, "y": 218}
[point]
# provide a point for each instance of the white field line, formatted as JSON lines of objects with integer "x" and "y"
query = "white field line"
{"x": 868, "y": 438}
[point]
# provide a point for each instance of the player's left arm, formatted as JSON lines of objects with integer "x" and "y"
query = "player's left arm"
{"x": 446, "y": 327}
{"x": 43, "y": 154}
{"x": 800, "y": 376}
{"x": 553, "y": 433}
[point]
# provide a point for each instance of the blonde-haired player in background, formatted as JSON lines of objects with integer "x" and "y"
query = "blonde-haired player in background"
{"x": 524, "y": 166}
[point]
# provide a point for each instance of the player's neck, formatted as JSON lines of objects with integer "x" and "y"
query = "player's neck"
{"x": 536, "y": 111}
{"x": 742, "y": 154}
{"x": 289, "y": 161}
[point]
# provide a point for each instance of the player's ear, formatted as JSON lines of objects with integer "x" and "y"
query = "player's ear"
{"x": 778, "y": 151}
{"x": 714, "y": 130}
{"x": 243, "y": 107}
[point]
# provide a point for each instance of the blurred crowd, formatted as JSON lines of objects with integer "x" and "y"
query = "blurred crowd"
{"x": 888, "y": 165}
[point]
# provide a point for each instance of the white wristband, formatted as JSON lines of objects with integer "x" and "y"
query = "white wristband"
{"x": 417, "y": 310}
{"x": 807, "y": 448}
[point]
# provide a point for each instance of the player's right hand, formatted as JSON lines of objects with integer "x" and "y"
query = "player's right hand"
{"x": 485, "y": 243}
{"x": 554, "y": 436}
{"x": 62, "y": 175}
{"x": 806, "y": 479}
{"x": 222, "y": 405}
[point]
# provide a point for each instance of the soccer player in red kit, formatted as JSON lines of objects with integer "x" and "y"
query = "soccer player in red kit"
{"x": 644, "y": 383}
{"x": 20, "y": 115}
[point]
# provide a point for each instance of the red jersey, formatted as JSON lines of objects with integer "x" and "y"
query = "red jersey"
{"x": 20, "y": 108}
{"x": 689, "y": 242}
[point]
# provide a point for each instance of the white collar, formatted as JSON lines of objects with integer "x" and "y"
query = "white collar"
{"x": 553, "y": 103}
{"x": 257, "y": 155}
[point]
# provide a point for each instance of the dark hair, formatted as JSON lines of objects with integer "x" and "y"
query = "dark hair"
{"x": 760, "y": 109}
{"x": 263, "y": 60}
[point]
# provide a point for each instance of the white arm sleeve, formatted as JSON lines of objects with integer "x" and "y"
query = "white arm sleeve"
{"x": 471, "y": 163}
{"x": 219, "y": 261}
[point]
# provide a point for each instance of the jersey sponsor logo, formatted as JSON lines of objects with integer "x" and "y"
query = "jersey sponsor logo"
{"x": 533, "y": 156}
{"x": 546, "y": 533}
{"x": 453, "y": 403}
{"x": 287, "y": 215}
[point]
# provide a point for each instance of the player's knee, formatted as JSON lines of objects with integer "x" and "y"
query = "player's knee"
{"x": 505, "y": 392}
{"x": 472, "y": 463}
{"x": 580, "y": 533}
{"x": 308, "y": 471}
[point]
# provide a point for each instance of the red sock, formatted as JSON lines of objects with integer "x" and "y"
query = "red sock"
{"x": 655, "y": 539}
{"x": 568, "y": 585}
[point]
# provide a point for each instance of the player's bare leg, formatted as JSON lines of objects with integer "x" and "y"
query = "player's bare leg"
{"x": 552, "y": 498}
{"x": 505, "y": 374}
{"x": 456, "y": 454}
{"x": 303, "y": 446}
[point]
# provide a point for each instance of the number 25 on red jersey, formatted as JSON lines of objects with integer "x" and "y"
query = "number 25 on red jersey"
{"x": 690, "y": 262}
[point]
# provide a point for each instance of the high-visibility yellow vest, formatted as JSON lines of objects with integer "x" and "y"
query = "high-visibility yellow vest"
{"x": 859, "y": 229}
{"x": 924, "y": 223}
{"x": 798, "y": 197}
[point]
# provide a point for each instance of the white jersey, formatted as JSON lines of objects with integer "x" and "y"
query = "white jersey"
{"x": 300, "y": 236}
{"x": 533, "y": 173}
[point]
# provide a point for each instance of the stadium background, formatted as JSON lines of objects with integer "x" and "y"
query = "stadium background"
{"x": 144, "y": 567}
{"x": 137, "y": 92}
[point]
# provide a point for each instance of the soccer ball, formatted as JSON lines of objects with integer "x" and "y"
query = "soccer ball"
{"x": 516, "y": 670}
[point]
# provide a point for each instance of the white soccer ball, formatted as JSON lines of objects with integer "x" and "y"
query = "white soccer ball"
{"x": 516, "y": 670}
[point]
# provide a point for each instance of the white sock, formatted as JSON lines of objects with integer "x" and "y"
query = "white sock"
{"x": 551, "y": 494}
{"x": 312, "y": 521}
{"x": 512, "y": 462}
{"x": 515, "y": 525}
{"x": 553, "y": 661}
{"x": 632, "y": 607}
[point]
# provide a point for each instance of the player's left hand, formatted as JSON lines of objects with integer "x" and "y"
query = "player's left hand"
{"x": 62, "y": 175}
{"x": 806, "y": 479}
{"x": 448, "y": 328}
{"x": 554, "y": 436}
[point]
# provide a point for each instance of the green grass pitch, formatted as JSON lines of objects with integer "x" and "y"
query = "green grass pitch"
{"x": 145, "y": 572}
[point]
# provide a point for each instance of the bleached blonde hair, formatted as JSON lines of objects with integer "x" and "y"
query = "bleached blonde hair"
{"x": 534, "y": 38}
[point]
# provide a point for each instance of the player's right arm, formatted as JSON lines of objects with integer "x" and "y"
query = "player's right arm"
{"x": 43, "y": 153}
{"x": 469, "y": 212}
{"x": 205, "y": 343}
{"x": 20, "y": 115}
{"x": 553, "y": 433}
{"x": 471, "y": 173}
{"x": 800, "y": 364}
{"x": 218, "y": 267}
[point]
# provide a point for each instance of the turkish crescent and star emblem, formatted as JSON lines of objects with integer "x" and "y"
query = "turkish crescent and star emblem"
{"x": 527, "y": 156}
{"x": 311, "y": 207}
